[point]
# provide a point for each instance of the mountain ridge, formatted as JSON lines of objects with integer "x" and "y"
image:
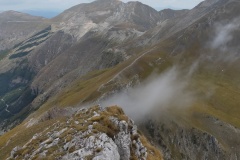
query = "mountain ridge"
{"x": 17, "y": 26}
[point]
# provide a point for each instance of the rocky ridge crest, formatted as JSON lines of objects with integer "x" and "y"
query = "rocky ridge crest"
{"x": 94, "y": 133}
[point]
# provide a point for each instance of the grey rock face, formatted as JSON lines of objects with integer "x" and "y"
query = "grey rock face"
{"x": 179, "y": 142}
{"x": 101, "y": 142}
{"x": 123, "y": 141}
{"x": 82, "y": 138}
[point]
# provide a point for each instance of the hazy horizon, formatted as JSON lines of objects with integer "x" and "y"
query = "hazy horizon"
{"x": 51, "y": 8}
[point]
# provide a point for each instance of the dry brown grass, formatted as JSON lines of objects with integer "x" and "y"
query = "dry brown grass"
{"x": 72, "y": 149}
{"x": 19, "y": 136}
{"x": 104, "y": 129}
{"x": 96, "y": 119}
{"x": 115, "y": 110}
{"x": 153, "y": 152}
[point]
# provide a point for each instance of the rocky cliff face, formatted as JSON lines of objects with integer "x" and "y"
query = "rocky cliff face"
{"x": 94, "y": 133}
{"x": 179, "y": 142}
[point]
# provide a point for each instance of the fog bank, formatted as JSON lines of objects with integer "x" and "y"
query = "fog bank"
{"x": 158, "y": 92}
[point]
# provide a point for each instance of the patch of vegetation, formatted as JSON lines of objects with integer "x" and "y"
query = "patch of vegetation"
{"x": 3, "y": 54}
{"x": 8, "y": 99}
{"x": 38, "y": 37}
{"x": 31, "y": 44}
{"x": 43, "y": 31}
{"x": 17, "y": 109}
{"x": 110, "y": 59}
{"x": 33, "y": 41}
{"x": 18, "y": 55}
{"x": 22, "y": 72}
{"x": 13, "y": 95}
{"x": 153, "y": 152}
{"x": 2, "y": 105}
{"x": 17, "y": 45}
{"x": 15, "y": 92}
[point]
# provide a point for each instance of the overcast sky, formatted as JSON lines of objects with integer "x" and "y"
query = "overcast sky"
{"x": 60, "y": 5}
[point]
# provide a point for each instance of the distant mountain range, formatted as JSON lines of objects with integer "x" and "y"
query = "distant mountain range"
{"x": 40, "y": 13}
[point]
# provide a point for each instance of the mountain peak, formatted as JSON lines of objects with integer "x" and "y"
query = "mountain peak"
{"x": 108, "y": 0}
{"x": 12, "y": 11}
{"x": 207, "y": 3}
{"x": 11, "y": 14}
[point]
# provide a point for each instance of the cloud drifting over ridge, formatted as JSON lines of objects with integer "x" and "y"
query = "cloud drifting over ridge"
{"x": 157, "y": 93}
{"x": 224, "y": 34}
{"x": 223, "y": 41}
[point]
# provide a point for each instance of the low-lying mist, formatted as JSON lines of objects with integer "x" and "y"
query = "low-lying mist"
{"x": 225, "y": 41}
{"x": 170, "y": 89}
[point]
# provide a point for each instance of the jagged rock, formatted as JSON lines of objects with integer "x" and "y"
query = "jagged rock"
{"x": 106, "y": 134}
{"x": 14, "y": 151}
{"x": 185, "y": 141}
{"x": 123, "y": 142}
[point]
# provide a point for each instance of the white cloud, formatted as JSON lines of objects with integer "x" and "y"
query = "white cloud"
{"x": 62, "y": 5}
{"x": 224, "y": 34}
{"x": 223, "y": 41}
{"x": 170, "y": 89}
